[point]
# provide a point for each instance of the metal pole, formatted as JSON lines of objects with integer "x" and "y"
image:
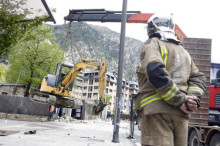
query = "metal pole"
{"x": 120, "y": 69}
{"x": 131, "y": 136}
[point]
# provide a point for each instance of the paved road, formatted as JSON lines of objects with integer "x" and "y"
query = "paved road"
{"x": 66, "y": 133}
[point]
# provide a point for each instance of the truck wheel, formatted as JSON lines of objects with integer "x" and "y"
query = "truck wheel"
{"x": 194, "y": 139}
{"x": 215, "y": 141}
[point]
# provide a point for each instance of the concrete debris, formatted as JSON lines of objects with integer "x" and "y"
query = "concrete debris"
{"x": 43, "y": 119}
{"x": 64, "y": 119}
{"x": 30, "y": 132}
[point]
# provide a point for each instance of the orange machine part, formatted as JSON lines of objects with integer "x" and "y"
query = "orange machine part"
{"x": 144, "y": 17}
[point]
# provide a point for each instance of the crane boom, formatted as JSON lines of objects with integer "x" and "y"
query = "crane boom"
{"x": 102, "y": 15}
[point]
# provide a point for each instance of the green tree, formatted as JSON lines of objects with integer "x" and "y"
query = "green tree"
{"x": 108, "y": 98}
{"x": 11, "y": 29}
{"x": 3, "y": 70}
{"x": 34, "y": 58}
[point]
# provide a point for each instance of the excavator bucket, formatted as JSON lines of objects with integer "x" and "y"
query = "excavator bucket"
{"x": 99, "y": 108}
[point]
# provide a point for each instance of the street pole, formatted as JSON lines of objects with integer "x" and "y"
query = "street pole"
{"x": 131, "y": 136}
{"x": 120, "y": 69}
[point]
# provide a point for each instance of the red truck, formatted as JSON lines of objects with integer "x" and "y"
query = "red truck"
{"x": 214, "y": 96}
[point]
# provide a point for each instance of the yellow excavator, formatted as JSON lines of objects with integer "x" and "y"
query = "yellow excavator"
{"x": 57, "y": 89}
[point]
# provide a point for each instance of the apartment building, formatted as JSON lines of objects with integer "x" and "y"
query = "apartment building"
{"x": 78, "y": 86}
{"x": 91, "y": 89}
{"x": 133, "y": 88}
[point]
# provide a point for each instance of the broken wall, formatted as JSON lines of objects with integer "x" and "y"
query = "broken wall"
{"x": 22, "y": 105}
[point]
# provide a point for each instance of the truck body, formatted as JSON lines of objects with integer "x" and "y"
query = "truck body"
{"x": 214, "y": 100}
{"x": 214, "y": 104}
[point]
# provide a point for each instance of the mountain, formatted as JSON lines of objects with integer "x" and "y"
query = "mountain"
{"x": 98, "y": 42}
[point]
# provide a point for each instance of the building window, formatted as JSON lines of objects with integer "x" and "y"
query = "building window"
{"x": 85, "y": 88}
{"x": 111, "y": 84}
{"x": 90, "y": 82}
{"x": 90, "y": 95}
{"x": 91, "y": 75}
{"x": 90, "y": 88}
{"x": 96, "y": 80}
{"x": 95, "y": 94}
{"x": 84, "y": 94}
{"x": 96, "y": 87}
{"x": 110, "y": 90}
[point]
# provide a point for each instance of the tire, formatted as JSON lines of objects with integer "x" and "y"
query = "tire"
{"x": 194, "y": 139}
{"x": 215, "y": 141}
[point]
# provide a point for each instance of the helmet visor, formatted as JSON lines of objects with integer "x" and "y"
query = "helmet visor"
{"x": 163, "y": 22}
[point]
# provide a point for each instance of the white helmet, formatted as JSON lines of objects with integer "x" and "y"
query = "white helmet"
{"x": 163, "y": 26}
{"x": 158, "y": 23}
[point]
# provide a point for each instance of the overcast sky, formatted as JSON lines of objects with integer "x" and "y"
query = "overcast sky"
{"x": 197, "y": 18}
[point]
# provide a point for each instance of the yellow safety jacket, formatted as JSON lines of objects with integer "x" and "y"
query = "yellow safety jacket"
{"x": 166, "y": 75}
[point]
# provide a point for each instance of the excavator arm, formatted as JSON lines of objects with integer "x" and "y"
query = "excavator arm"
{"x": 71, "y": 75}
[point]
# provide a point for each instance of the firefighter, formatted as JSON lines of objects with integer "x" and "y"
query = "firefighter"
{"x": 170, "y": 86}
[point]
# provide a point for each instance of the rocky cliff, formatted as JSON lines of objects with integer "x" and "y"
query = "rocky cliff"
{"x": 86, "y": 41}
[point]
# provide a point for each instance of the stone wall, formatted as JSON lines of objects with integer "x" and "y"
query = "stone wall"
{"x": 22, "y": 105}
{"x": 12, "y": 89}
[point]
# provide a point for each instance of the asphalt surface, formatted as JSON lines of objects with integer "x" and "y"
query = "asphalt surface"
{"x": 65, "y": 133}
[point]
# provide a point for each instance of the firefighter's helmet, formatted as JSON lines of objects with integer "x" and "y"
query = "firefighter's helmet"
{"x": 159, "y": 23}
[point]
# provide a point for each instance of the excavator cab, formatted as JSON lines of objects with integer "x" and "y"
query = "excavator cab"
{"x": 62, "y": 70}
{"x": 51, "y": 83}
